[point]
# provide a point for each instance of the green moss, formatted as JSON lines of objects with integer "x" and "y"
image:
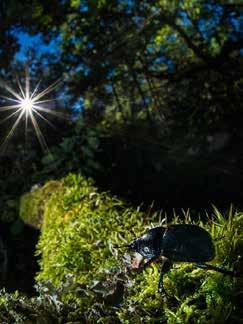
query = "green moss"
{"x": 32, "y": 204}
{"x": 79, "y": 226}
{"x": 79, "y": 230}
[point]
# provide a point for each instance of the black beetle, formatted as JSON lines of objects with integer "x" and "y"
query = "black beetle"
{"x": 176, "y": 243}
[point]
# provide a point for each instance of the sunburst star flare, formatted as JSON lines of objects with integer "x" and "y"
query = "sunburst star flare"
{"x": 27, "y": 105}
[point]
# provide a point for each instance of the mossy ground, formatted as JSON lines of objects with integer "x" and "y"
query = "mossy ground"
{"x": 79, "y": 228}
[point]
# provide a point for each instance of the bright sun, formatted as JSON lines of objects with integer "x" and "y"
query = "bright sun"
{"x": 28, "y": 105}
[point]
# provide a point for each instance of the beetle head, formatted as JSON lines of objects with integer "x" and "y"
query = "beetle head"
{"x": 142, "y": 246}
{"x": 150, "y": 244}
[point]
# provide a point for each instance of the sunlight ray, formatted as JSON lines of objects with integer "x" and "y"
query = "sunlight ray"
{"x": 8, "y": 98}
{"x": 10, "y": 90}
{"x": 11, "y": 132}
{"x": 51, "y": 112}
{"x": 11, "y": 115}
{"x": 35, "y": 90}
{"x": 27, "y": 84}
{"x": 43, "y": 101}
{"x": 47, "y": 90}
{"x": 20, "y": 87}
{"x": 4, "y": 108}
{"x": 45, "y": 119}
{"x": 39, "y": 134}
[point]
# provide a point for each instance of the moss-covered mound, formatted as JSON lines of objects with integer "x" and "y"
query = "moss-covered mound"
{"x": 79, "y": 230}
{"x": 32, "y": 204}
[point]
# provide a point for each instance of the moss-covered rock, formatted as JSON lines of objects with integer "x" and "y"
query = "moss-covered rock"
{"x": 79, "y": 230}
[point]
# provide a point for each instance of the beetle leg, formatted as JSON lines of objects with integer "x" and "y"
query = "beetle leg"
{"x": 161, "y": 288}
{"x": 165, "y": 267}
{"x": 211, "y": 267}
